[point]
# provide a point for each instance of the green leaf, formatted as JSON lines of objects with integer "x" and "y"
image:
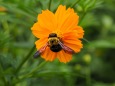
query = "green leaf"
{"x": 102, "y": 44}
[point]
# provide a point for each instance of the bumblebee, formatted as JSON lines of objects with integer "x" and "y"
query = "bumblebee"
{"x": 55, "y": 45}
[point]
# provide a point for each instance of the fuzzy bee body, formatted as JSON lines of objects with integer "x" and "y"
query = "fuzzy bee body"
{"x": 54, "y": 45}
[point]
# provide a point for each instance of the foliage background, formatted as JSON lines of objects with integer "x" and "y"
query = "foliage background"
{"x": 93, "y": 66}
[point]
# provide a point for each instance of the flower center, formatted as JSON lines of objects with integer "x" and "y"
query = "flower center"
{"x": 53, "y": 42}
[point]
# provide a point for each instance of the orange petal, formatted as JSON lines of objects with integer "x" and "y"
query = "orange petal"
{"x": 69, "y": 35}
{"x": 46, "y": 20}
{"x": 40, "y": 32}
{"x": 66, "y": 19}
{"x": 41, "y": 42}
{"x": 79, "y": 30}
{"x": 59, "y": 14}
{"x": 63, "y": 56}
{"x": 48, "y": 55}
{"x": 73, "y": 43}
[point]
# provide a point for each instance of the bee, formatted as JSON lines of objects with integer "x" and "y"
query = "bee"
{"x": 55, "y": 45}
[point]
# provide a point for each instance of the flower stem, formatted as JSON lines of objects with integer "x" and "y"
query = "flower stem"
{"x": 49, "y": 7}
{"x": 82, "y": 17}
{"x": 32, "y": 72}
{"x": 88, "y": 78}
{"x": 86, "y": 40}
{"x": 24, "y": 60}
{"x": 75, "y": 3}
{"x": 36, "y": 69}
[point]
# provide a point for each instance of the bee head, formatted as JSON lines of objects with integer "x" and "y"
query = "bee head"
{"x": 53, "y": 39}
{"x": 52, "y": 35}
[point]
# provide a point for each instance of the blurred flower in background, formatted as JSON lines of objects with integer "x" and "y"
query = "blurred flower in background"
{"x": 2, "y": 9}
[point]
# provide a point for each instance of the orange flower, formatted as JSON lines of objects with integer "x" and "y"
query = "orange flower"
{"x": 58, "y": 34}
{"x": 2, "y": 9}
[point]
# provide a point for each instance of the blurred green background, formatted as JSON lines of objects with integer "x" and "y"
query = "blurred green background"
{"x": 93, "y": 66}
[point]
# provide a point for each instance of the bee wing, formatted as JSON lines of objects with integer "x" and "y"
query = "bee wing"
{"x": 42, "y": 49}
{"x": 66, "y": 48}
{"x": 36, "y": 54}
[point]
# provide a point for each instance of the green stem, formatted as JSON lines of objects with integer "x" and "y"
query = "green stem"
{"x": 24, "y": 60}
{"x": 86, "y": 40}
{"x": 82, "y": 17}
{"x": 49, "y": 7}
{"x": 4, "y": 80}
{"x": 88, "y": 78}
{"x": 31, "y": 73}
{"x": 2, "y": 76}
{"x": 74, "y": 3}
{"x": 34, "y": 70}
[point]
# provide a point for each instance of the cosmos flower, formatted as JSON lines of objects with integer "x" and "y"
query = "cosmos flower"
{"x": 59, "y": 34}
{"x": 2, "y": 9}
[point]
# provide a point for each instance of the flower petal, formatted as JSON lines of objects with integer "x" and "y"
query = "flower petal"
{"x": 73, "y": 43}
{"x": 71, "y": 35}
{"x": 40, "y": 32}
{"x": 46, "y": 20}
{"x": 63, "y": 56}
{"x": 66, "y": 19}
{"x": 79, "y": 31}
{"x": 48, "y": 55}
{"x": 41, "y": 42}
{"x": 59, "y": 14}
